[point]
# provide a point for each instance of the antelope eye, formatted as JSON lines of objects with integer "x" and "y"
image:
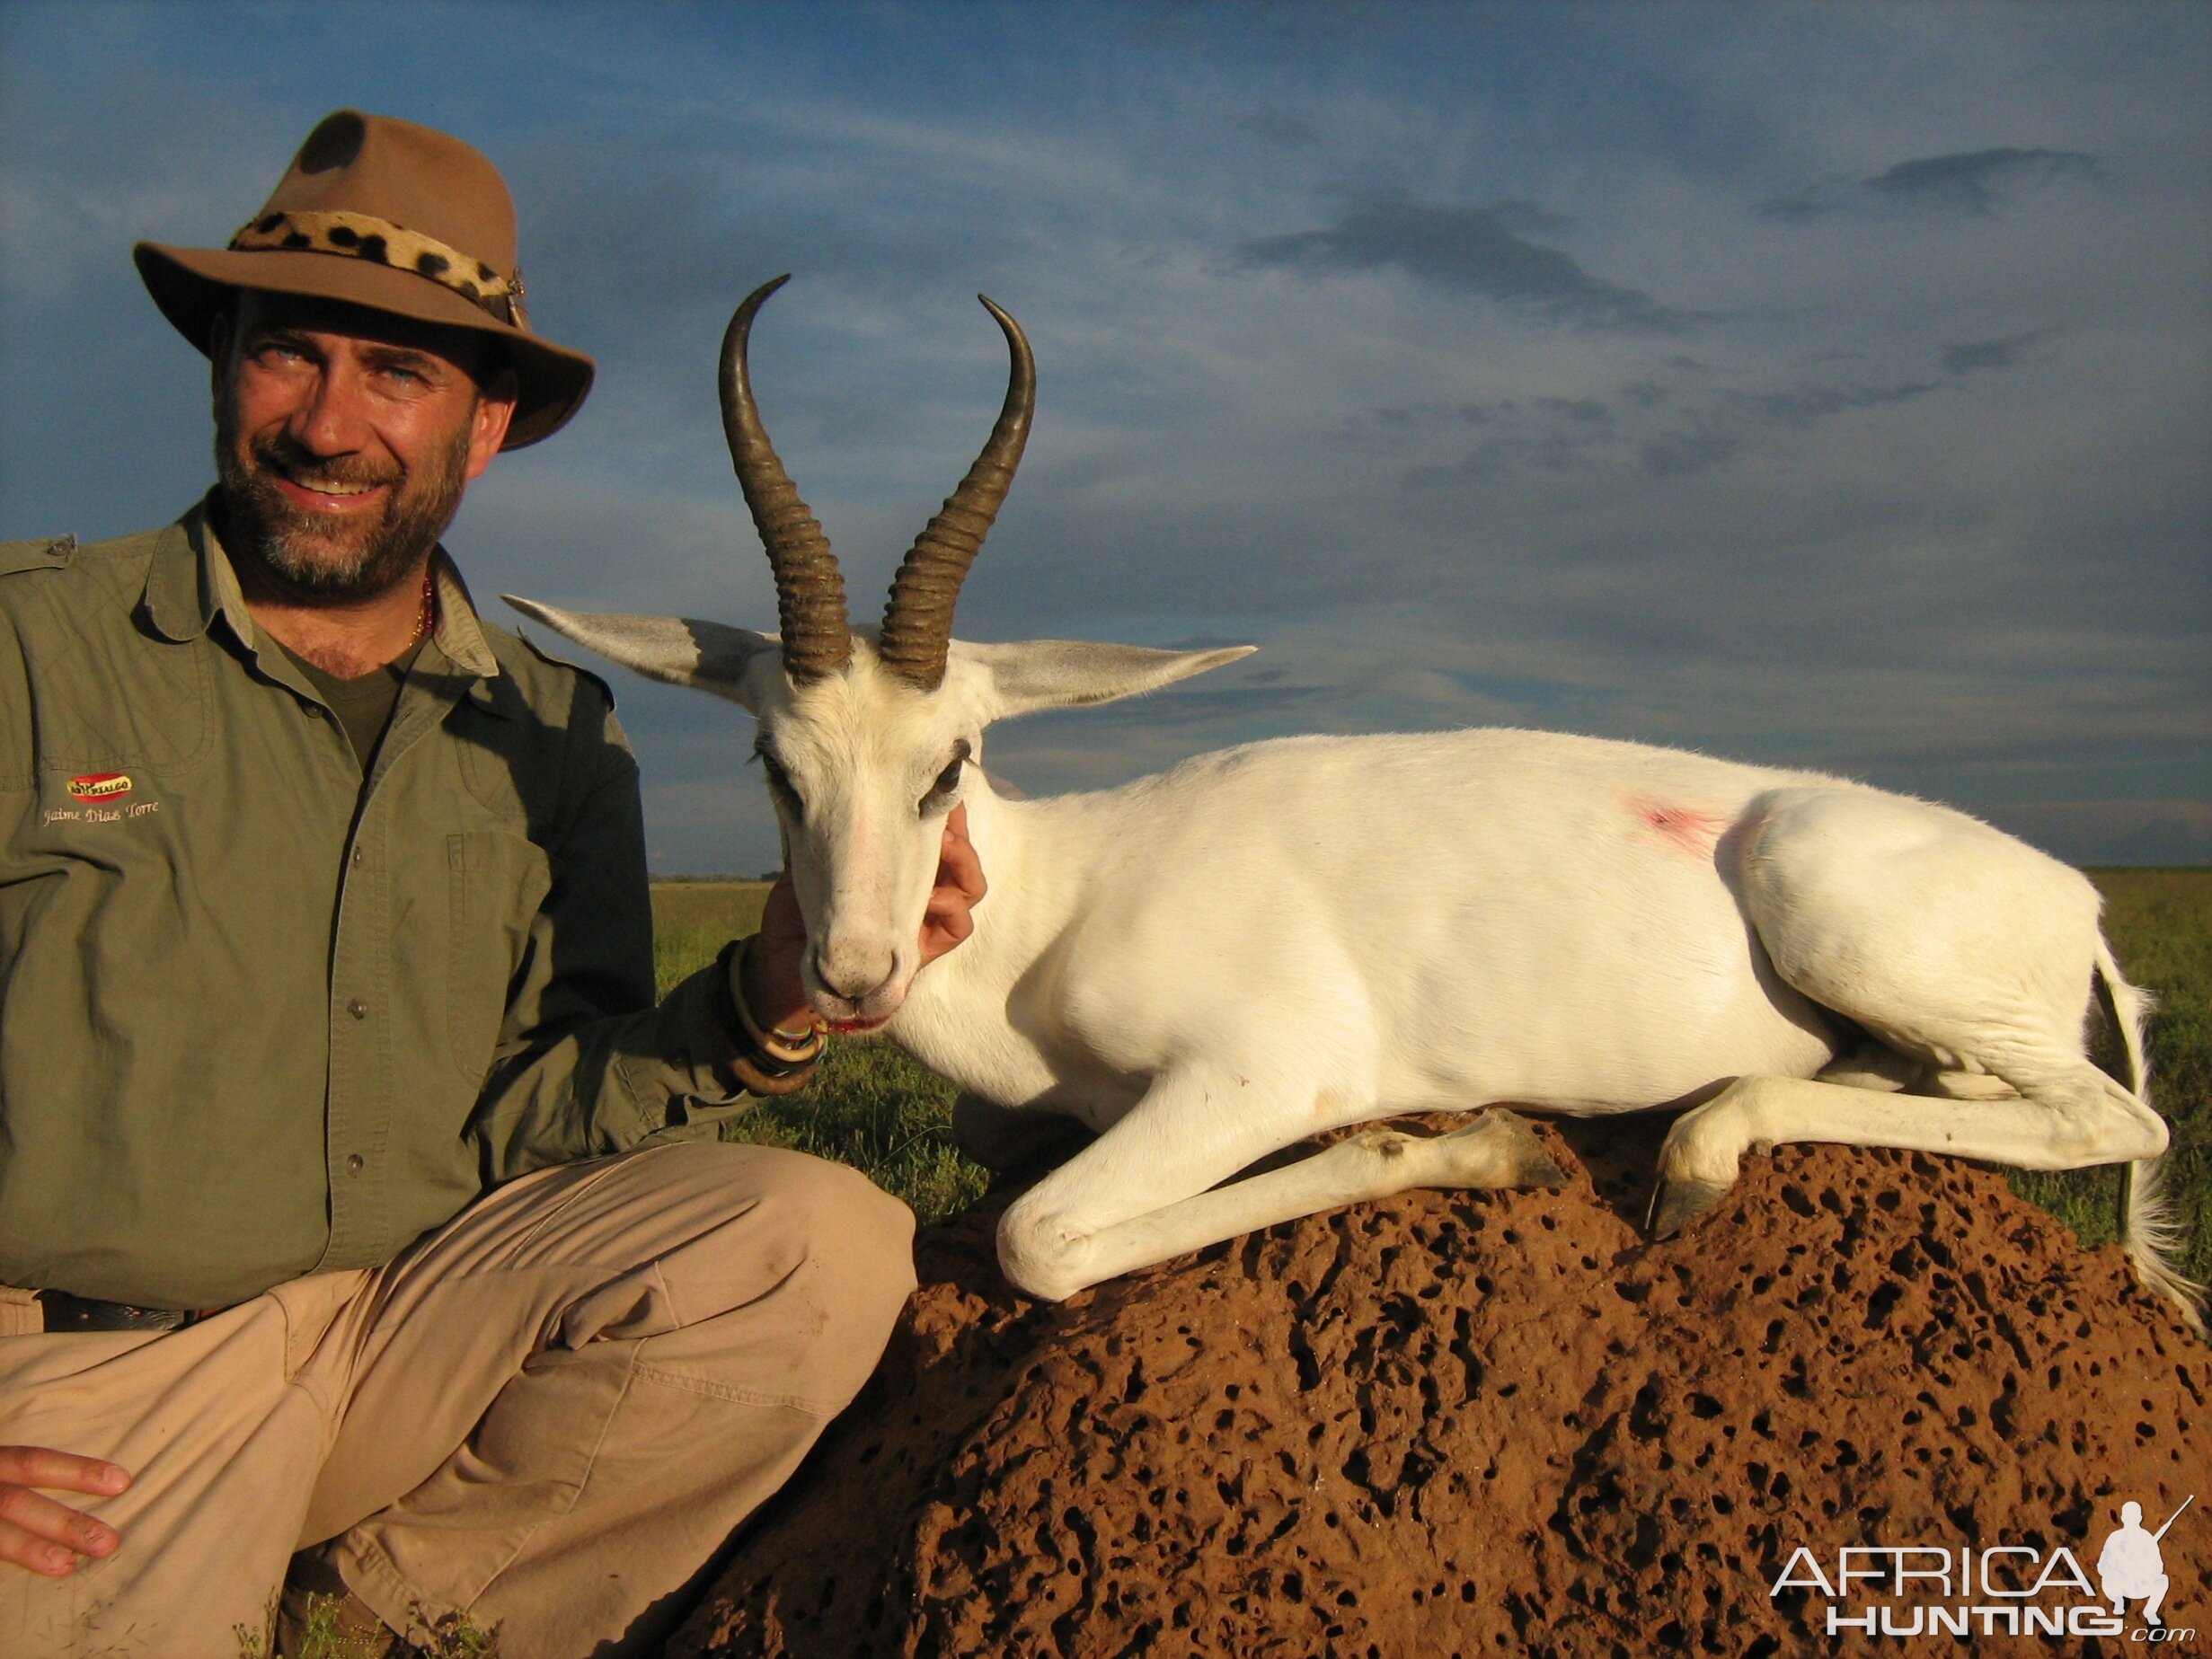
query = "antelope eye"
{"x": 948, "y": 780}
{"x": 778, "y": 779}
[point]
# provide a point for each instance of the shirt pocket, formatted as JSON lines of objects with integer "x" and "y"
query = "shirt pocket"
{"x": 98, "y": 714}
{"x": 496, "y": 882}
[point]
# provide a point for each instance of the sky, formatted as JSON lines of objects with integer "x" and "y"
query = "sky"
{"x": 1820, "y": 385}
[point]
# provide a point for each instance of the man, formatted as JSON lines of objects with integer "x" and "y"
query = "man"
{"x": 355, "y": 1198}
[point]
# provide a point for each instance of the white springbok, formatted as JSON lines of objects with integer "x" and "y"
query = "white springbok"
{"x": 1208, "y": 965}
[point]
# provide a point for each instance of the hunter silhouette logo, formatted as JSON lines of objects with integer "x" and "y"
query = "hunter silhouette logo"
{"x": 2130, "y": 1567}
{"x": 100, "y": 785}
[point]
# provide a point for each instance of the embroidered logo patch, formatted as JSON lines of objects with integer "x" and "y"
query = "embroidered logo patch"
{"x": 100, "y": 785}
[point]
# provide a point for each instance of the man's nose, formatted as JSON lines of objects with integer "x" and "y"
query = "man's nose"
{"x": 330, "y": 419}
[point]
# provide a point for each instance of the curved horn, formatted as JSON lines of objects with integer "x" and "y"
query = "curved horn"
{"x": 918, "y": 623}
{"x": 810, "y": 593}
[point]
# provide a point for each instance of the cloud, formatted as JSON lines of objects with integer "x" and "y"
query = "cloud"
{"x": 1485, "y": 250}
{"x": 1283, "y": 130}
{"x": 1676, "y": 454}
{"x": 1972, "y": 356}
{"x": 1665, "y": 430}
{"x": 1971, "y": 181}
{"x": 1800, "y": 407}
{"x": 1966, "y": 182}
{"x": 2115, "y": 832}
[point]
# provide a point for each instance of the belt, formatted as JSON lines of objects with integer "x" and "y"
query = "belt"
{"x": 65, "y": 1313}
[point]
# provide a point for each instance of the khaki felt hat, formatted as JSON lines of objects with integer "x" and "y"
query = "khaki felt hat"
{"x": 394, "y": 217}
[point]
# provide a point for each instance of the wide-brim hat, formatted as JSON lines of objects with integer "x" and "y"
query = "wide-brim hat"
{"x": 397, "y": 218}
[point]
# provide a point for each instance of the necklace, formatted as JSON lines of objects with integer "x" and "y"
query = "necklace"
{"x": 427, "y": 614}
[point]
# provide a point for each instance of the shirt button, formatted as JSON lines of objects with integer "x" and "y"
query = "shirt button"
{"x": 355, "y": 1163}
{"x": 358, "y": 1009}
{"x": 315, "y": 711}
{"x": 359, "y": 858}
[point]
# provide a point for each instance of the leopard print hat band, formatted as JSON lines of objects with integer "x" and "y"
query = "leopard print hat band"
{"x": 364, "y": 236}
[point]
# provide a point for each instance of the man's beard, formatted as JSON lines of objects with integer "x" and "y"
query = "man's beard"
{"x": 313, "y": 556}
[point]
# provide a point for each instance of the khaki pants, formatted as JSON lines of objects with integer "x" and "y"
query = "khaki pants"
{"x": 547, "y": 1414}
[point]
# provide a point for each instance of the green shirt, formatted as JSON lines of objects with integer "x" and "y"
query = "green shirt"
{"x": 262, "y": 1016}
{"x": 364, "y": 703}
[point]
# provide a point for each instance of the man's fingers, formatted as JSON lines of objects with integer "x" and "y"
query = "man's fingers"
{"x": 948, "y": 917}
{"x": 40, "y": 1555}
{"x": 958, "y": 867}
{"x": 44, "y": 1536}
{"x": 60, "y": 1471}
{"x": 779, "y": 916}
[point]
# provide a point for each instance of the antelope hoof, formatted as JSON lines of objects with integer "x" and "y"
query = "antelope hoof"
{"x": 1512, "y": 1151}
{"x": 1533, "y": 1163}
{"x": 1681, "y": 1200}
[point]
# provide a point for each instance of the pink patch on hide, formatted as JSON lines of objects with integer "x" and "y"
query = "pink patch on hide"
{"x": 1692, "y": 831}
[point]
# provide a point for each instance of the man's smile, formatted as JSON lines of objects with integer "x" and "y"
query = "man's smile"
{"x": 328, "y": 494}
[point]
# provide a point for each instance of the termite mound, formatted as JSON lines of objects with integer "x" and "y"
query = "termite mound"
{"x": 1463, "y": 1423}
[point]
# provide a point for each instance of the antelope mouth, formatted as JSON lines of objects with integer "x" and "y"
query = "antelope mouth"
{"x": 855, "y": 1015}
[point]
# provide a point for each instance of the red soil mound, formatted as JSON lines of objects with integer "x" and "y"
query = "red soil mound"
{"x": 1460, "y": 1424}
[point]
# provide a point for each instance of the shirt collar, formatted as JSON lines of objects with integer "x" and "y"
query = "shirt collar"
{"x": 181, "y": 587}
{"x": 458, "y": 632}
{"x": 191, "y": 582}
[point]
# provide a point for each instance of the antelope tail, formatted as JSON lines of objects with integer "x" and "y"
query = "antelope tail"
{"x": 2149, "y": 1230}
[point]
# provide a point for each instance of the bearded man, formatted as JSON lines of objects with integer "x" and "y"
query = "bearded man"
{"x": 362, "y": 1226}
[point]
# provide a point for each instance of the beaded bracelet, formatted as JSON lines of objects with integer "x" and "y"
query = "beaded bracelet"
{"x": 787, "y": 1047}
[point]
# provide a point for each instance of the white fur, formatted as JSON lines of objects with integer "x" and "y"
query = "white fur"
{"x": 1209, "y": 965}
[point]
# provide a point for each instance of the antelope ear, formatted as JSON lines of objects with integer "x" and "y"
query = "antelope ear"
{"x": 680, "y": 650}
{"x": 1059, "y": 674}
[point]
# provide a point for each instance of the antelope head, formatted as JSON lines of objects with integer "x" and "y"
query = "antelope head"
{"x": 867, "y": 736}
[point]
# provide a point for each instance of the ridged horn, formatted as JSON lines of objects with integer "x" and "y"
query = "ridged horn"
{"x": 918, "y": 623}
{"x": 809, "y": 590}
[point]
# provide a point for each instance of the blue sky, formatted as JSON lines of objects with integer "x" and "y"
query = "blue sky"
{"x": 1825, "y": 385}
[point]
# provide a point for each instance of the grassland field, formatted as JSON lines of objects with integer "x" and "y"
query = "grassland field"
{"x": 870, "y": 1107}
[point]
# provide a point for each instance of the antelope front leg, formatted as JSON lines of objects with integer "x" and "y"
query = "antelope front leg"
{"x": 1139, "y": 1195}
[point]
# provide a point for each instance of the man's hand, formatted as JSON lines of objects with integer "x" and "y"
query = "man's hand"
{"x": 773, "y": 991}
{"x": 36, "y": 1531}
{"x": 959, "y": 889}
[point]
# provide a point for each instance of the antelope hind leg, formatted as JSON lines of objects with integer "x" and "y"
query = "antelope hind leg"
{"x": 2079, "y": 1119}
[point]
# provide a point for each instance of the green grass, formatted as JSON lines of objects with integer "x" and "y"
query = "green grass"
{"x": 693, "y": 920}
{"x": 868, "y": 1104}
{"x": 870, "y": 1107}
{"x": 323, "y": 1635}
{"x": 2160, "y": 923}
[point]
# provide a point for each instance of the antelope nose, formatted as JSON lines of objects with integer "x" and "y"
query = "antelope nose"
{"x": 853, "y": 975}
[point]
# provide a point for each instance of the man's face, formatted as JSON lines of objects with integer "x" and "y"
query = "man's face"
{"x": 344, "y": 437}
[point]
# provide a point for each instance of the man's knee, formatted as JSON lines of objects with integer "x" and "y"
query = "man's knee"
{"x": 854, "y": 1231}
{"x": 834, "y": 1245}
